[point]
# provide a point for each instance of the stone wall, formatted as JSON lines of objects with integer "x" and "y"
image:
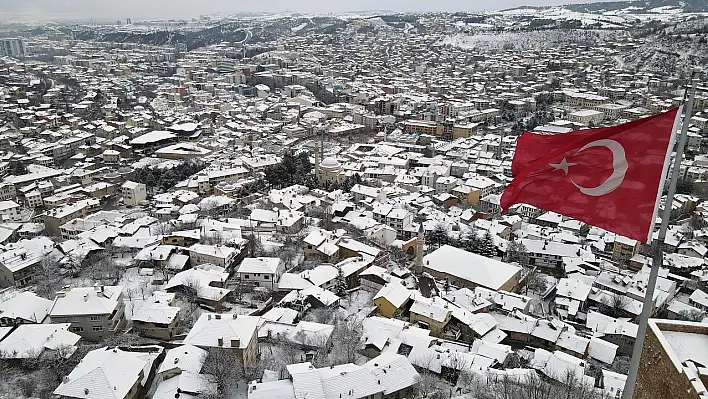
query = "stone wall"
{"x": 658, "y": 377}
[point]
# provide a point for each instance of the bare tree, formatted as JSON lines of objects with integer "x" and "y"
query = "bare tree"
{"x": 517, "y": 252}
{"x": 193, "y": 288}
{"x": 48, "y": 280}
{"x": 616, "y": 304}
{"x": 346, "y": 340}
{"x": 287, "y": 254}
{"x": 429, "y": 385}
{"x": 226, "y": 369}
{"x": 26, "y": 386}
{"x": 214, "y": 238}
{"x": 209, "y": 207}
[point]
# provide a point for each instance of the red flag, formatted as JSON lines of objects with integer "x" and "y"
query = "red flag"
{"x": 608, "y": 177}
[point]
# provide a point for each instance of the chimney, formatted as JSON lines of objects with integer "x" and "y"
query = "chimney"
{"x": 85, "y": 297}
{"x": 208, "y": 317}
{"x": 220, "y": 341}
{"x": 217, "y": 316}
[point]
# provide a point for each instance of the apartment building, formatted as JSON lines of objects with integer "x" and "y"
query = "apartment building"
{"x": 133, "y": 193}
{"x": 54, "y": 218}
{"x": 94, "y": 312}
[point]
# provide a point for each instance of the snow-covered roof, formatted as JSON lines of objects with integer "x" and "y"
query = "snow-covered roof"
{"x": 27, "y": 306}
{"x": 233, "y": 331}
{"x": 102, "y": 374}
{"x": 157, "y": 309}
{"x": 187, "y": 358}
{"x": 261, "y": 265}
{"x": 95, "y": 300}
{"x": 471, "y": 267}
{"x": 395, "y": 293}
{"x": 28, "y": 341}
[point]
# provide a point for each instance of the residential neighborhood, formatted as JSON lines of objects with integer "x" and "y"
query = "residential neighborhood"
{"x": 291, "y": 206}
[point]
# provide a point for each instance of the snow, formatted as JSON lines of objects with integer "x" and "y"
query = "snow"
{"x": 299, "y": 27}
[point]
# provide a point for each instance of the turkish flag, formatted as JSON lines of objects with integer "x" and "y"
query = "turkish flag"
{"x": 607, "y": 177}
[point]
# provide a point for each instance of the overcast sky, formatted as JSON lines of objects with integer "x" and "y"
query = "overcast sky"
{"x": 138, "y": 9}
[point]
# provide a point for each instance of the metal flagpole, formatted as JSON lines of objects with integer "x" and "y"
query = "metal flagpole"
{"x": 658, "y": 258}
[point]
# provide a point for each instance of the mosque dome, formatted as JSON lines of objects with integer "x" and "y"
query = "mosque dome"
{"x": 330, "y": 163}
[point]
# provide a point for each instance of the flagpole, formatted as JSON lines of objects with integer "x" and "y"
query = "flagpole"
{"x": 657, "y": 247}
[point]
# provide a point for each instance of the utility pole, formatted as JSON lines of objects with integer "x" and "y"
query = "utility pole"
{"x": 657, "y": 245}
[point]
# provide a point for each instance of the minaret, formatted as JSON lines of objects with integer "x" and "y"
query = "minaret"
{"x": 317, "y": 158}
{"x": 420, "y": 244}
{"x": 317, "y": 162}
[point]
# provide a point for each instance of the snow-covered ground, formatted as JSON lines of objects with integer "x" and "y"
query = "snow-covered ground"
{"x": 299, "y": 27}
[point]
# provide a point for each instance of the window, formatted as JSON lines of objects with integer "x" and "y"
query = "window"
{"x": 95, "y": 318}
{"x": 246, "y": 276}
{"x": 267, "y": 277}
{"x": 76, "y": 329}
{"x": 97, "y": 328}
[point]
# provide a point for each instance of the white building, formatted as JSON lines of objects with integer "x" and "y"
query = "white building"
{"x": 10, "y": 211}
{"x": 260, "y": 272}
{"x": 12, "y": 47}
{"x": 133, "y": 193}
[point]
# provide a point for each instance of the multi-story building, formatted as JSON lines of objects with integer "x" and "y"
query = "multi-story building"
{"x": 218, "y": 255}
{"x": 54, "y": 218}
{"x": 133, "y": 193}
{"x": 10, "y": 211}
{"x": 260, "y": 272}
{"x": 228, "y": 332}
{"x": 12, "y": 47}
{"x": 94, "y": 312}
{"x": 158, "y": 317}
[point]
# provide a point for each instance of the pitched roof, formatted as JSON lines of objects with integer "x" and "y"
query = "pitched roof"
{"x": 103, "y": 373}
{"x": 474, "y": 268}
{"x": 87, "y": 300}
{"x": 210, "y": 327}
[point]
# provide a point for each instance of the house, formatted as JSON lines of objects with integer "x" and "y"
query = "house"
{"x": 10, "y": 211}
{"x": 430, "y": 314}
{"x": 388, "y": 376}
{"x": 375, "y": 277}
{"x": 699, "y": 299}
{"x": 624, "y": 248}
{"x": 219, "y": 255}
{"x": 466, "y": 269}
{"x": 260, "y": 272}
{"x": 207, "y": 281}
{"x": 571, "y": 297}
{"x": 314, "y": 297}
{"x": 183, "y": 358}
{"x": 133, "y": 193}
{"x": 227, "y": 332}
{"x": 320, "y": 244}
{"x": 108, "y": 373}
{"x": 54, "y": 218}
{"x": 550, "y": 255}
{"x": 158, "y": 317}
{"x": 94, "y": 312}
{"x": 29, "y": 341}
{"x": 391, "y": 299}
{"x": 19, "y": 261}
{"x": 396, "y": 374}
{"x": 356, "y": 382}
{"x": 24, "y": 308}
